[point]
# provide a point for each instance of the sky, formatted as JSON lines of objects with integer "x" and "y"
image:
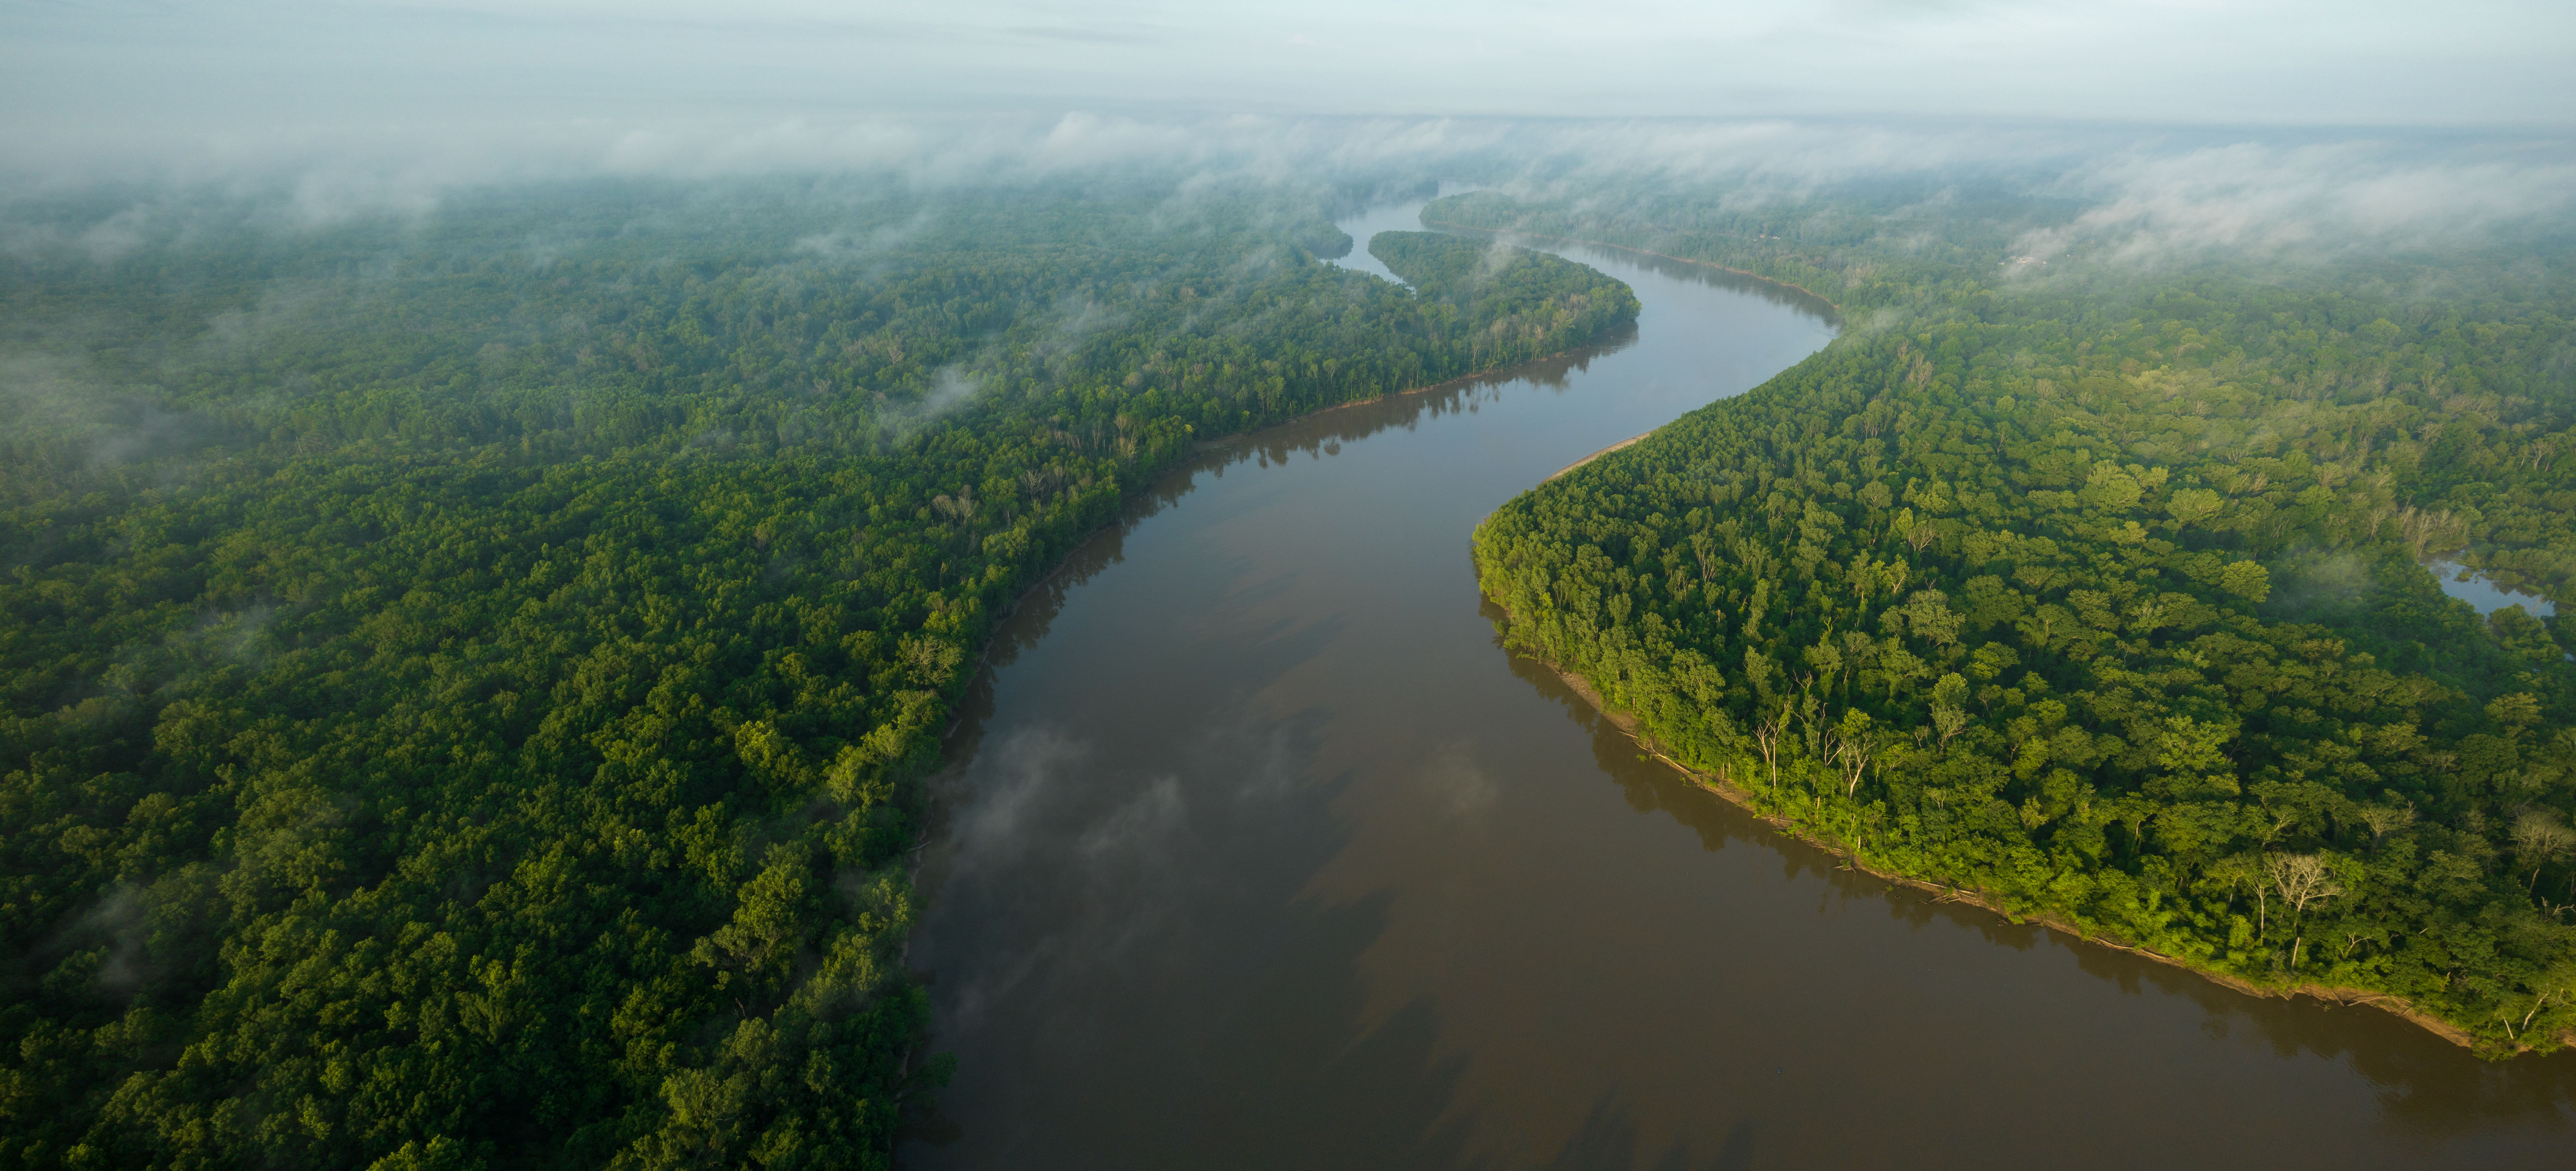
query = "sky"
{"x": 373, "y": 104}
{"x": 107, "y": 76}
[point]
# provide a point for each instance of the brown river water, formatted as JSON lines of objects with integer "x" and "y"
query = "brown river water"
{"x": 1256, "y": 850}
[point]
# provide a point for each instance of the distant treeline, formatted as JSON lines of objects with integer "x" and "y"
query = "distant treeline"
{"x": 2101, "y": 593}
{"x": 465, "y": 678}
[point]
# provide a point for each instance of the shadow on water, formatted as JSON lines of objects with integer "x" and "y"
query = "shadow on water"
{"x": 1316, "y": 436}
{"x": 1298, "y": 969}
{"x": 1251, "y": 858}
{"x": 1319, "y": 435}
{"x": 2424, "y": 1087}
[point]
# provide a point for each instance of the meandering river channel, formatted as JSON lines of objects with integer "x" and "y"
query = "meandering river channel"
{"x": 1257, "y": 851}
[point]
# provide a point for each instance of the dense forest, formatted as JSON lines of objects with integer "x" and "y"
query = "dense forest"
{"x": 2098, "y": 589}
{"x": 466, "y": 675}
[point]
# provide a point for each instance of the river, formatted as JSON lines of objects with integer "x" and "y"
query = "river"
{"x": 1257, "y": 851}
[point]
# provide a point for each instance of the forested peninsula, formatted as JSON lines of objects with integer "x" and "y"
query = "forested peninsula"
{"x": 467, "y": 676}
{"x": 2093, "y": 586}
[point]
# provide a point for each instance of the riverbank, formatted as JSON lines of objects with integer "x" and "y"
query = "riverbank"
{"x": 1631, "y": 248}
{"x": 1724, "y": 789}
{"x": 1855, "y": 859}
{"x": 1130, "y": 495}
{"x": 1623, "y": 444}
{"x": 1254, "y": 827}
{"x": 1774, "y": 282}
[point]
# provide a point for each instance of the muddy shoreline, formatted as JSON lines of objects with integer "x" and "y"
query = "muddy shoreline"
{"x": 1744, "y": 799}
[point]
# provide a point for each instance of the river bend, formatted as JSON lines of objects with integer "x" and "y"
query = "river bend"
{"x": 1257, "y": 851}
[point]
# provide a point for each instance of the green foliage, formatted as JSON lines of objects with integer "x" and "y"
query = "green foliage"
{"x": 2118, "y": 618}
{"x": 1529, "y": 305}
{"x": 464, "y": 698}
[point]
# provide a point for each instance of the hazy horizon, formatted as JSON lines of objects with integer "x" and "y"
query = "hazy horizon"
{"x": 178, "y": 87}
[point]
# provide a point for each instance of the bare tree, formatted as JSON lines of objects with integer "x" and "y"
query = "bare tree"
{"x": 1766, "y": 736}
{"x": 2539, "y": 838}
{"x": 2428, "y": 532}
{"x": 1850, "y": 746}
{"x": 2301, "y": 879}
{"x": 2558, "y": 983}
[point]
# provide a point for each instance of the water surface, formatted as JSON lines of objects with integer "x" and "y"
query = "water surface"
{"x": 1257, "y": 851}
{"x": 2475, "y": 588}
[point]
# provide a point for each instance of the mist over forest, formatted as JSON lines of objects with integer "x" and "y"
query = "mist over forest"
{"x": 504, "y": 510}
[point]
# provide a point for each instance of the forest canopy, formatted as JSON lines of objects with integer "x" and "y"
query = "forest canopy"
{"x": 2101, "y": 591}
{"x": 466, "y": 678}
